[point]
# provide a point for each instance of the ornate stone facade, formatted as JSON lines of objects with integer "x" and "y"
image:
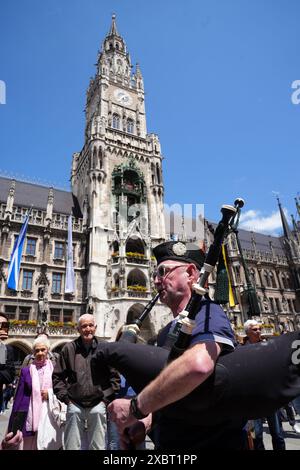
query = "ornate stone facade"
{"x": 117, "y": 207}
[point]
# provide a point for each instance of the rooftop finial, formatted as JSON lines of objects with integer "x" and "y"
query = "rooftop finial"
{"x": 113, "y": 29}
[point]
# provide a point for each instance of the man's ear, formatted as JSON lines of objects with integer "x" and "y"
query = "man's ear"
{"x": 192, "y": 272}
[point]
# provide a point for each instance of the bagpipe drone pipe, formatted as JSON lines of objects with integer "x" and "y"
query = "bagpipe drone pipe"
{"x": 253, "y": 381}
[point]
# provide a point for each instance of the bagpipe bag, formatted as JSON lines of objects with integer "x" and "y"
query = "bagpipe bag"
{"x": 251, "y": 382}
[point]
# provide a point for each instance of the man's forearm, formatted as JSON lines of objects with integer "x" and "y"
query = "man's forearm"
{"x": 179, "y": 378}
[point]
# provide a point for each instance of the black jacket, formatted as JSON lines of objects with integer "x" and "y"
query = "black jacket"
{"x": 7, "y": 369}
{"x": 72, "y": 379}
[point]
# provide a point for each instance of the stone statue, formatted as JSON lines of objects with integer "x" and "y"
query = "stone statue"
{"x": 43, "y": 310}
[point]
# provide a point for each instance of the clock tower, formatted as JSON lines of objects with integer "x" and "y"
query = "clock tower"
{"x": 117, "y": 179}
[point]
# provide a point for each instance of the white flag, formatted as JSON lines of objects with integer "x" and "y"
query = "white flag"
{"x": 70, "y": 276}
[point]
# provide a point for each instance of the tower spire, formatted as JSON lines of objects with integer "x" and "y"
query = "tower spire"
{"x": 297, "y": 205}
{"x": 295, "y": 226}
{"x": 286, "y": 229}
{"x": 113, "y": 29}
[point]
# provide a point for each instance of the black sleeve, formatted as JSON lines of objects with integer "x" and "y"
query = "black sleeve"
{"x": 115, "y": 379}
{"x": 7, "y": 371}
{"x": 59, "y": 377}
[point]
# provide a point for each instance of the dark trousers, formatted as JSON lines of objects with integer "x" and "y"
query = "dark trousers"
{"x": 276, "y": 432}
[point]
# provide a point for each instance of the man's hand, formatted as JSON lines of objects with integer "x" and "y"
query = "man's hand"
{"x": 11, "y": 442}
{"x": 44, "y": 394}
{"x": 135, "y": 434}
{"x": 119, "y": 411}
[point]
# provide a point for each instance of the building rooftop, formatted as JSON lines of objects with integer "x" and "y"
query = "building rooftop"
{"x": 27, "y": 194}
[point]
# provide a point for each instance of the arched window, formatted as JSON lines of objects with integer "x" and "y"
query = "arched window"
{"x": 272, "y": 279}
{"x": 116, "y": 280}
{"x": 136, "y": 279}
{"x": 252, "y": 275}
{"x": 289, "y": 283}
{"x": 116, "y": 121}
{"x": 100, "y": 156}
{"x": 278, "y": 307}
{"x": 130, "y": 126}
{"x": 237, "y": 274}
{"x": 158, "y": 173}
{"x": 266, "y": 276}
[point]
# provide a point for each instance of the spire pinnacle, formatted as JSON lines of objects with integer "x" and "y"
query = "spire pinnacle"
{"x": 113, "y": 29}
{"x": 297, "y": 205}
{"x": 285, "y": 225}
{"x": 295, "y": 226}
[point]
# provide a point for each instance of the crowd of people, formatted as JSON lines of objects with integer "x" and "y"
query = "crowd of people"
{"x": 58, "y": 404}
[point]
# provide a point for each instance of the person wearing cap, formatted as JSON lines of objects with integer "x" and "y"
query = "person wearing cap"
{"x": 178, "y": 268}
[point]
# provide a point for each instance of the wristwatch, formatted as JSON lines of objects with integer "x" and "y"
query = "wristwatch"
{"x": 134, "y": 409}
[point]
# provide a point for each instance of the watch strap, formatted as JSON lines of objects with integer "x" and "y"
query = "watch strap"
{"x": 134, "y": 409}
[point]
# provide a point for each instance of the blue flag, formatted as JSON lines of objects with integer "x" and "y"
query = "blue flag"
{"x": 15, "y": 260}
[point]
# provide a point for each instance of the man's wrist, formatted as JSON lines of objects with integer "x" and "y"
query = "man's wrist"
{"x": 135, "y": 410}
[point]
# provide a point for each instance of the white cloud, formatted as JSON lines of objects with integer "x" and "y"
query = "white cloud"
{"x": 258, "y": 222}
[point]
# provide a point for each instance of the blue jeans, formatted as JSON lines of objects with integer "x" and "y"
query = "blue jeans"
{"x": 296, "y": 405}
{"x": 85, "y": 428}
{"x": 276, "y": 432}
{"x": 113, "y": 440}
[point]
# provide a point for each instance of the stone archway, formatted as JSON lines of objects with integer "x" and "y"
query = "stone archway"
{"x": 146, "y": 331}
{"x": 21, "y": 348}
{"x": 58, "y": 345}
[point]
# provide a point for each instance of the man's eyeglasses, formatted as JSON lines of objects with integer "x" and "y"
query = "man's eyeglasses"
{"x": 4, "y": 325}
{"x": 256, "y": 329}
{"x": 165, "y": 269}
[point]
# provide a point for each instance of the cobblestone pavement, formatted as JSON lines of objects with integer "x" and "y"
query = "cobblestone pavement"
{"x": 291, "y": 438}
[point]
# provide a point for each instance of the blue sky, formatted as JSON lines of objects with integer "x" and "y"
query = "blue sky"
{"x": 218, "y": 76}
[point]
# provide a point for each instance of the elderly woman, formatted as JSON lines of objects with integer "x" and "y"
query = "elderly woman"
{"x": 34, "y": 402}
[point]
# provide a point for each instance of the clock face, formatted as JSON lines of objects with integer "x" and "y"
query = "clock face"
{"x": 123, "y": 97}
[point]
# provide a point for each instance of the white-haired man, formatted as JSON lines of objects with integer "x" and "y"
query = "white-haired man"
{"x": 72, "y": 383}
{"x": 253, "y": 331}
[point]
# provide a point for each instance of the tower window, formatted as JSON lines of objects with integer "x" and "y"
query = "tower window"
{"x": 24, "y": 313}
{"x": 56, "y": 283}
{"x": 27, "y": 280}
{"x": 30, "y": 247}
{"x": 116, "y": 121}
{"x": 130, "y": 126}
{"x": 59, "y": 250}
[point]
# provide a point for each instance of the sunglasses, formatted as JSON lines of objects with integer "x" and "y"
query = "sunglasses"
{"x": 165, "y": 269}
{"x": 4, "y": 325}
{"x": 256, "y": 329}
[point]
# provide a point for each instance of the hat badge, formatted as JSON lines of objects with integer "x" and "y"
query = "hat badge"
{"x": 179, "y": 249}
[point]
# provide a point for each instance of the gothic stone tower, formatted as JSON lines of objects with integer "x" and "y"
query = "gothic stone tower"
{"x": 117, "y": 178}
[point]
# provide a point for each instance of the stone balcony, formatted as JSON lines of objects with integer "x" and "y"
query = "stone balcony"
{"x": 38, "y": 217}
{"x": 126, "y": 293}
{"x": 29, "y": 328}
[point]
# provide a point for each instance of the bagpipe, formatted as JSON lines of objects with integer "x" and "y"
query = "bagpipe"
{"x": 253, "y": 381}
